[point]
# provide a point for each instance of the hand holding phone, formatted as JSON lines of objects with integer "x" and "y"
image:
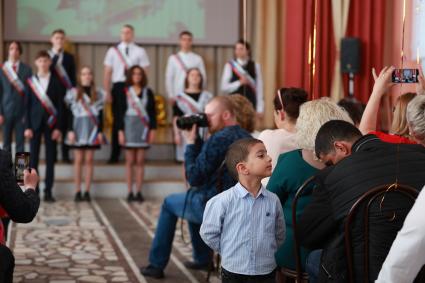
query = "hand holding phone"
{"x": 22, "y": 162}
{"x": 403, "y": 76}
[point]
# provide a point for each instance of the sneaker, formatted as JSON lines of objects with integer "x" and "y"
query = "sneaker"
{"x": 151, "y": 271}
{"x": 197, "y": 266}
{"x": 139, "y": 197}
{"x": 130, "y": 197}
{"x": 78, "y": 197}
{"x": 87, "y": 196}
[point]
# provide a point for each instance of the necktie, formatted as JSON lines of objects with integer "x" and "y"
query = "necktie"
{"x": 127, "y": 51}
{"x": 55, "y": 59}
{"x": 14, "y": 67}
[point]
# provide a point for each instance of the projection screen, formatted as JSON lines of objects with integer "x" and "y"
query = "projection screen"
{"x": 213, "y": 22}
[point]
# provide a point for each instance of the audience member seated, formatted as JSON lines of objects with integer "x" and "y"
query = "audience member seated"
{"x": 286, "y": 110}
{"x": 399, "y": 132}
{"x": 244, "y": 112}
{"x": 20, "y": 206}
{"x": 354, "y": 108}
{"x": 204, "y": 171}
{"x": 406, "y": 256}
{"x": 295, "y": 167}
{"x": 243, "y": 210}
{"x": 360, "y": 164}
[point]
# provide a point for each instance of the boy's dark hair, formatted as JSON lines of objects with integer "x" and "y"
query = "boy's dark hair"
{"x": 42, "y": 54}
{"x": 332, "y": 131}
{"x": 238, "y": 152}
{"x": 129, "y": 26}
{"x": 18, "y": 44}
{"x": 354, "y": 108}
{"x": 59, "y": 30}
{"x": 186, "y": 32}
{"x": 290, "y": 99}
{"x": 130, "y": 72}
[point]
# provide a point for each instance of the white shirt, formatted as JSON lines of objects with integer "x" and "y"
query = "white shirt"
{"x": 136, "y": 56}
{"x": 277, "y": 142}
{"x": 175, "y": 74}
{"x": 229, "y": 87}
{"x": 44, "y": 82}
{"x": 407, "y": 254}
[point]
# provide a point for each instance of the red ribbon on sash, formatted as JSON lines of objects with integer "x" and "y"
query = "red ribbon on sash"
{"x": 17, "y": 83}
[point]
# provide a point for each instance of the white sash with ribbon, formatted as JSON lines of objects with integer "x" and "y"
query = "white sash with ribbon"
{"x": 181, "y": 63}
{"x": 44, "y": 100}
{"x": 190, "y": 106}
{"x": 241, "y": 72}
{"x": 13, "y": 78}
{"x": 139, "y": 107}
{"x": 123, "y": 58}
{"x": 60, "y": 71}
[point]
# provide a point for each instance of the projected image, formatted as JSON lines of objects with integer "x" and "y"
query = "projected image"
{"x": 155, "y": 21}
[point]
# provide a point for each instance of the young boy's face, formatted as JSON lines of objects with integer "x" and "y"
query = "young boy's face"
{"x": 42, "y": 64}
{"x": 258, "y": 162}
{"x": 58, "y": 40}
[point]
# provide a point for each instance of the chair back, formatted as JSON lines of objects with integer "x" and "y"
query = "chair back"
{"x": 362, "y": 208}
{"x": 298, "y": 194}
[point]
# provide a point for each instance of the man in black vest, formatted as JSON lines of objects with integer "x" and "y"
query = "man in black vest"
{"x": 63, "y": 67}
{"x": 13, "y": 93}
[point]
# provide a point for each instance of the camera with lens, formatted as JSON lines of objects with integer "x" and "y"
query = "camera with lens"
{"x": 186, "y": 122}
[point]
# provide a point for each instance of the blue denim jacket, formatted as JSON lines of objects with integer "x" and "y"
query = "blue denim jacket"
{"x": 203, "y": 160}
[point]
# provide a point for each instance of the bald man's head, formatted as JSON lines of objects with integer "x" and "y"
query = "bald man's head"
{"x": 220, "y": 113}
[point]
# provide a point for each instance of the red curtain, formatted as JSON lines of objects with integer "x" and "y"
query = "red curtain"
{"x": 367, "y": 22}
{"x": 299, "y": 21}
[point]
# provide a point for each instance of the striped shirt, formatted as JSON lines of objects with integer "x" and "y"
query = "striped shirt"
{"x": 244, "y": 230}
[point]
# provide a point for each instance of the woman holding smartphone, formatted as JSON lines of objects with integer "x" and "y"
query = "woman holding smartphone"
{"x": 85, "y": 134}
{"x": 136, "y": 127}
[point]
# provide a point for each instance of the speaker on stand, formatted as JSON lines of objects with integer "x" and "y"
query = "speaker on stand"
{"x": 350, "y": 60}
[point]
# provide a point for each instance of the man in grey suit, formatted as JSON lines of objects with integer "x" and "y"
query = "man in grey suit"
{"x": 13, "y": 97}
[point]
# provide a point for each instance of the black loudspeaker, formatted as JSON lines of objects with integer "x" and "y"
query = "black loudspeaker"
{"x": 350, "y": 55}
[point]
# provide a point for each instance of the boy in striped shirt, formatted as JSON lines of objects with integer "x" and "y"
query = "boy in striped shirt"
{"x": 245, "y": 224}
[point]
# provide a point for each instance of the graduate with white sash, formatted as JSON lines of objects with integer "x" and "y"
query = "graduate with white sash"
{"x": 242, "y": 75}
{"x": 136, "y": 124}
{"x": 192, "y": 101}
{"x": 13, "y": 97}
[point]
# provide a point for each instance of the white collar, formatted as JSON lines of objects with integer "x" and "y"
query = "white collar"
{"x": 9, "y": 62}
{"x": 241, "y": 62}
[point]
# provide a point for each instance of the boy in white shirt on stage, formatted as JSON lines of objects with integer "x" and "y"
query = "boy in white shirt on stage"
{"x": 118, "y": 60}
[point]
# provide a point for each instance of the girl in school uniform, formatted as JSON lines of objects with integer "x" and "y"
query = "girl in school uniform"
{"x": 86, "y": 125}
{"x": 136, "y": 125}
{"x": 192, "y": 101}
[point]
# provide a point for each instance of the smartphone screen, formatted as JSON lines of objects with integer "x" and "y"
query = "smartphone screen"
{"x": 403, "y": 76}
{"x": 22, "y": 162}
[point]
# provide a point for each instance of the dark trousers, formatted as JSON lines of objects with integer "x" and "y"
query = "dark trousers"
{"x": 9, "y": 125}
{"x": 117, "y": 94}
{"x": 64, "y": 131}
{"x": 50, "y": 148}
{"x": 7, "y": 264}
{"x": 230, "y": 277}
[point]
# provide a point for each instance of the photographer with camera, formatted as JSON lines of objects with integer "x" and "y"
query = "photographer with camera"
{"x": 20, "y": 206}
{"x": 207, "y": 176}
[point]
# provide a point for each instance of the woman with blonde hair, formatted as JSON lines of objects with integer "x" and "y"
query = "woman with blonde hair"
{"x": 244, "y": 112}
{"x": 295, "y": 167}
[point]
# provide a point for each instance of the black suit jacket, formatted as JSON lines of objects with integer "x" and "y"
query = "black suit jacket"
{"x": 21, "y": 206}
{"x": 37, "y": 115}
{"x": 68, "y": 63}
{"x": 12, "y": 104}
{"x": 321, "y": 226}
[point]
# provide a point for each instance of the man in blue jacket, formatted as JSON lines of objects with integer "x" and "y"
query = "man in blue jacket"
{"x": 13, "y": 97}
{"x": 204, "y": 172}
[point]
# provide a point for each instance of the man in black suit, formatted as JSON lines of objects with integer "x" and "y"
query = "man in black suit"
{"x": 44, "y": 117}
{"x": 20, "y": 206}
{"x": 63, "y": 67}
{"x": 13, "y": 92}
